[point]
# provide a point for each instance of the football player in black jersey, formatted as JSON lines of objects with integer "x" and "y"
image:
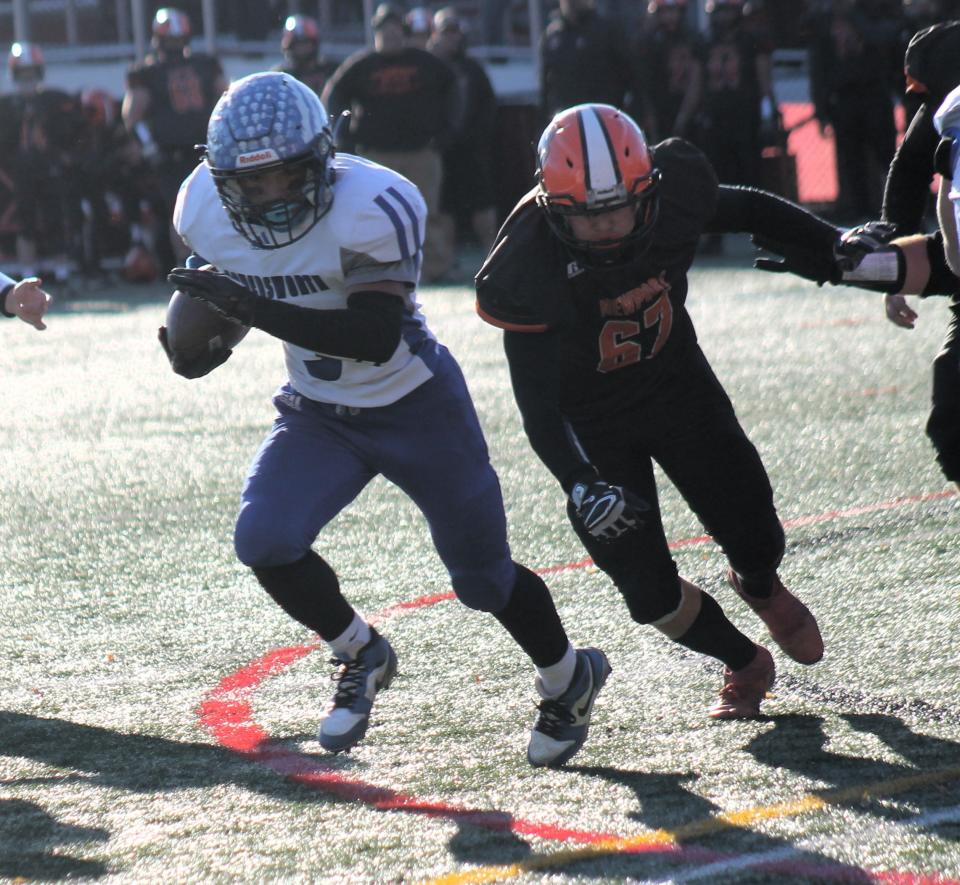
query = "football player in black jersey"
{"x": 588, "y": 279}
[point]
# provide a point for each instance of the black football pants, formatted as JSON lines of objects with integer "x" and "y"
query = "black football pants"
{"x": 943, "y": 426}
{"x": 688, "y": 426}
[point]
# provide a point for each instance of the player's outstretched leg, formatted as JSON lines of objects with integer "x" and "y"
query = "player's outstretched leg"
{"x": 744, "y": 689}
{"x": 789, "y": 621}
{"x": 346, "y": 717}
{"x": 563, "y": 722}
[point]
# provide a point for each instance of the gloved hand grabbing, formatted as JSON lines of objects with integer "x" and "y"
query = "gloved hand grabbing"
{"x": 223, "y": 294}
{"x": 607, "y": 511}
{"x": 862, "y": 240}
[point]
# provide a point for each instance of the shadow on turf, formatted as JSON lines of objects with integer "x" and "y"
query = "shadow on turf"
{"x": 798, "y": 743}
{"x": 666, "y": 804}
{"x": 28, "y": 835}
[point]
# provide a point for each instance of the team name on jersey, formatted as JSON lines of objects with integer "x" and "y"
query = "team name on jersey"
{"x": 280, "y": 287}
{"x": 630, "y": 302}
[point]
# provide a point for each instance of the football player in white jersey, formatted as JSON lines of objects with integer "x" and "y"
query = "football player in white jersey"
{"x": 323, "y": 251}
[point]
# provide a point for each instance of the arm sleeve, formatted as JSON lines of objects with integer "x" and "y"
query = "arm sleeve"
{"x": 908, "y": 179}
{"x": 368, "y": 329}
{"x": 751, "y": 210}
{"x": 942, "y": 280}
{"x": 533, "y": 363}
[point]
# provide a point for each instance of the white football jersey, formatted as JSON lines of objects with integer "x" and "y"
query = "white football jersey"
{"x": 373, "y": 231}
{"x": 947, "y": 122}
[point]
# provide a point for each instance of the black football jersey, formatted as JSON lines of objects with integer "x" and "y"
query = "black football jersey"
{"x": 619, "y": 328}
{"x": 183, "y": 92}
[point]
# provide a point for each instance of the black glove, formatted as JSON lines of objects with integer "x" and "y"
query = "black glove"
{"x": 862, "y": 240}
{"x": 193, "y": 366}
{"x": 607, "y": 511}
{"x": 223, "y": 294}
{"x": 819, "y": 265}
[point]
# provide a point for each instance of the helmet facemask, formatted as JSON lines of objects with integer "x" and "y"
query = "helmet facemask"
{"x": 646, "y": 205}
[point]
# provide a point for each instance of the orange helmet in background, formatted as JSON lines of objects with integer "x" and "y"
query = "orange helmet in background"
{"x": 171, "y": 30}
{"x": 25, "y": 60}
{"x": 299, "y": 29}
{"x": 594, "y": 158}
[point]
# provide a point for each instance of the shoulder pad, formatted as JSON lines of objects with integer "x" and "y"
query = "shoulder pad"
{"x": 943, "y": 158}
{"x": 947, "y": 115}
{"x": 520, "y": 284}
{"x": 688, "y": 189}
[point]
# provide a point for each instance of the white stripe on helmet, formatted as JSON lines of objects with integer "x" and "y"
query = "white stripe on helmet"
{"x": 597, "y": 157}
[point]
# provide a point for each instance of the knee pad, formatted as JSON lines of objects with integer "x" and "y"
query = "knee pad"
{"x": 487, "y": 589}
{"x": 260, "y": 542}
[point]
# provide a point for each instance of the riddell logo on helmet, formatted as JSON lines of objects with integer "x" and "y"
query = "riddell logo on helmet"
{"x": 257, "y": 158}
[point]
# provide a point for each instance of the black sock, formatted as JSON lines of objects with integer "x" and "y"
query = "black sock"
{"x": 531, "y": 618}
{"x": 309, "y": 592}
{"x": 711, "y": 633}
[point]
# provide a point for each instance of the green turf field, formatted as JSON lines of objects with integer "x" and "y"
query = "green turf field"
{"x": 157, "y": 711}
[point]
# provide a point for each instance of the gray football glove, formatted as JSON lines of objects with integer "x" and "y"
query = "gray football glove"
{"x": 607, "y": 511}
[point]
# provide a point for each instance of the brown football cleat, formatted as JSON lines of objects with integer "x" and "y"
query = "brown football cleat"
{"x": 744, "y": 689}
{"x": 789, "y": 621}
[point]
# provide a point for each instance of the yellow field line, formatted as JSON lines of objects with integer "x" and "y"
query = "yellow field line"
{"x": 695, "y": 829}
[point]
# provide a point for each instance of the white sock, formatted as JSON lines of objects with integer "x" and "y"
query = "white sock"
{"x": 553, "y": 681}
{"x": 355, "y": 637}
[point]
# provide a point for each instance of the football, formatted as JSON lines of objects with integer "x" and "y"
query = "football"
{"x": 195, "y": 328}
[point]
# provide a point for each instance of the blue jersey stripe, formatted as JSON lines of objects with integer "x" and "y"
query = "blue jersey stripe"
{"x": 410, "y": 214}
{"x": 391, "y": 213}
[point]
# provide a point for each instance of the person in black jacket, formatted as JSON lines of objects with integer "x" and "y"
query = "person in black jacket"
{"x": 584, "y": 57}
{"x": 588, "y": 280}
{"x": 404, "y": 113}
{"x": 853, "y": 97}
{"x": 467, "y": 198}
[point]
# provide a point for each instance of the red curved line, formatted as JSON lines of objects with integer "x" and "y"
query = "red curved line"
{"x": 226, "y": 712}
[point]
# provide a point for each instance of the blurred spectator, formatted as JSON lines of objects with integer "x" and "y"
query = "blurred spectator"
{"x": 167, "y": 104}
{"x": 118, "y": 192}
{"x": 737, "y": 94}
{"x": 671, "y": 58}
{"x": 417, "y": 24}
{"x": 301, "y": 53}
{"x": 41, "y": 128}
{"x": 586, "y": 58}
{"x": 403, "y": 114}
{"x": 467, "y": 199}
{"x": 852, "y": 95}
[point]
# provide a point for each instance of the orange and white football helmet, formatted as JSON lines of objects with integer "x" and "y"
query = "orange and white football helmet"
{"x": 593, "y": 158}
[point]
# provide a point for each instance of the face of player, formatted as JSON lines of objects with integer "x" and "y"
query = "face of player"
{"x": 277, "y": 193}
{"x": 600, "y": 227}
